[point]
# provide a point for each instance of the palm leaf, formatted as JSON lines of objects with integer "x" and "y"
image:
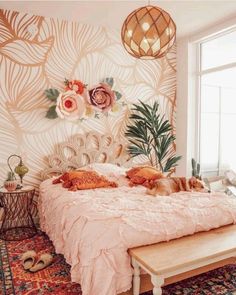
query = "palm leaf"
{"x": 171, "y": 162}
{"x": 150, "y": 134}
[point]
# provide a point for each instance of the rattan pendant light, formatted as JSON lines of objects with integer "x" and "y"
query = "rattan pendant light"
{"x": 148, "y": 32}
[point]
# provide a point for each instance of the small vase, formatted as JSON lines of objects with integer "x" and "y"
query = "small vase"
{"x": 10, "y": 185}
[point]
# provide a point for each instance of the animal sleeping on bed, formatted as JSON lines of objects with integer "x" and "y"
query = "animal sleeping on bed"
{"x": 169, "y": 185}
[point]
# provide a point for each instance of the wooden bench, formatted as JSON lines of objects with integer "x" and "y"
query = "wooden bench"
{"x": 172, "y": 261}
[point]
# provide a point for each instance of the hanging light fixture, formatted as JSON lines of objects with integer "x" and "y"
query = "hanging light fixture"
{"x": 148, "y": 32}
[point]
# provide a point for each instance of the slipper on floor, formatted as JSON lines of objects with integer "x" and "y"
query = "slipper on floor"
{"x": 28, "y": 259}
{"x": 44, "y": 261}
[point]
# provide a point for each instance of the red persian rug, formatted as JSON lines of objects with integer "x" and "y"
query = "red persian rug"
{"x": 55, "y": 279}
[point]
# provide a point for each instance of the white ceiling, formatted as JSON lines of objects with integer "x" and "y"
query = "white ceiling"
{"x": 189, "y": 16}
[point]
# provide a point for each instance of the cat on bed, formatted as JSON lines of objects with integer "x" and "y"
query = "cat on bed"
{"x": 169, "y": 185}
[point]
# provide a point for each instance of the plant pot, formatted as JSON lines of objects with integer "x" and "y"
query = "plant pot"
{"x": 10, "y": 185}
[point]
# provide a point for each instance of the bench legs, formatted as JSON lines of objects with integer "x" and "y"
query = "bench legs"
{"x": 136, "y": 278}
{"x": 157, "y": 281}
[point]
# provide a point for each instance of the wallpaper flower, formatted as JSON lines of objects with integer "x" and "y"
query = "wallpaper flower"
{"x": 75, "y": 85}
{"x": 77, "y": 102}
{"x": 102, "y": 97}
{"x": 70, "y": 105}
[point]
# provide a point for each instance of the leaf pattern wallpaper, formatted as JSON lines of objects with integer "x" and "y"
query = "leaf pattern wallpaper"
{"x": 38, "y": 53}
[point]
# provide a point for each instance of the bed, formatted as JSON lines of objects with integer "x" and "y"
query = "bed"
{"x": 93, "y": 229}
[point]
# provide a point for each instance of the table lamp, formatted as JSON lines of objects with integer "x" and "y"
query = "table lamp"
{"x": 20, "y": 169}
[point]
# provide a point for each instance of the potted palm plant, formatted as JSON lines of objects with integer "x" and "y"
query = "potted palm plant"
{"x": 150, "y": 135}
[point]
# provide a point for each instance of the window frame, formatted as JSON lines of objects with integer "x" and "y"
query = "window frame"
{"x": 199, "y": 74}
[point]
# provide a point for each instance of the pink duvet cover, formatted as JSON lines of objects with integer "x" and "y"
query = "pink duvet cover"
{"x": 94, "y": 228}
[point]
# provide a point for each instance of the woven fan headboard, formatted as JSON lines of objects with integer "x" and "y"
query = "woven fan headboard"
{"x": 83, "y": 149}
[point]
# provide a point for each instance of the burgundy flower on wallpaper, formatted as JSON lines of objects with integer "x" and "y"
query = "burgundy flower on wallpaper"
{"x": 102, "y": 97}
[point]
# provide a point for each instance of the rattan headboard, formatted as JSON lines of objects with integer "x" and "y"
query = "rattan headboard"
{"x": 83, "y": 149}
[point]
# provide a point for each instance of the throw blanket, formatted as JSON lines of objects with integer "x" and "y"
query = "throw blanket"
{"x": 94, "y": 228}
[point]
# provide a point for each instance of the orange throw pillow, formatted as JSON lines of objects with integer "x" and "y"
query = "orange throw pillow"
{"x": 82, "y": 179}
{"x": 143, "y": 175}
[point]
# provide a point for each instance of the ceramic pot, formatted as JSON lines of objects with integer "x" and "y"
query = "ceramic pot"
{"x": 10, "y": 185}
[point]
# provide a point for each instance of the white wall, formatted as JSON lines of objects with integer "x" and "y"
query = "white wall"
{"x": 185, "y": 118}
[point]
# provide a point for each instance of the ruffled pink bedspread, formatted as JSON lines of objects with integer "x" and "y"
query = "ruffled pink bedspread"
{"x": 94, "y": 228}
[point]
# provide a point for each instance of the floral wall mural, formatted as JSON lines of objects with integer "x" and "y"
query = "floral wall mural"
{"x": 37, "y": 54}
{"x": 78, "y": 102}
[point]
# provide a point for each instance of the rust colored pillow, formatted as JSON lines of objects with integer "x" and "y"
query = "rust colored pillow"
{"x": 143, "y": 175}
{"x": 77, "y": 174}
{"x": 82, "y": 179}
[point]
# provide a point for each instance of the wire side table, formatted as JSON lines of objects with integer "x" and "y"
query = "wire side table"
{"x": 17, "y": 223}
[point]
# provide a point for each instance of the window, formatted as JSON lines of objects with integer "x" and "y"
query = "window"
{"x": 217, "y": 119}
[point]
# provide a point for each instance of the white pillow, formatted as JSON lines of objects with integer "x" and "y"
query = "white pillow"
{"x": 112, "y": 171}
{"x": 107, "y": 169}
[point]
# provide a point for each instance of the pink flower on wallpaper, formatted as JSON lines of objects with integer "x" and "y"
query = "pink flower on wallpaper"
{"x": 70, "y": 106}
{"x": 101, "y": 96}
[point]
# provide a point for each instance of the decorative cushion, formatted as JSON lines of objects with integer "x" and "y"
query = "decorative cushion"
{"x": 111, "y": 171}
{"x": 143, "y": 175}
{"x": 82, "y": 179}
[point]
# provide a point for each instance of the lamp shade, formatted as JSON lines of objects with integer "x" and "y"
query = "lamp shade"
{"x": 148, "y": 32}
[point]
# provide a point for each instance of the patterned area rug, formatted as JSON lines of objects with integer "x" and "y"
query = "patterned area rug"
{"x": 55, "y": 279}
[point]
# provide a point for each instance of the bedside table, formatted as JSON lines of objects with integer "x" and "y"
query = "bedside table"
{"x": 17, "y": 223}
